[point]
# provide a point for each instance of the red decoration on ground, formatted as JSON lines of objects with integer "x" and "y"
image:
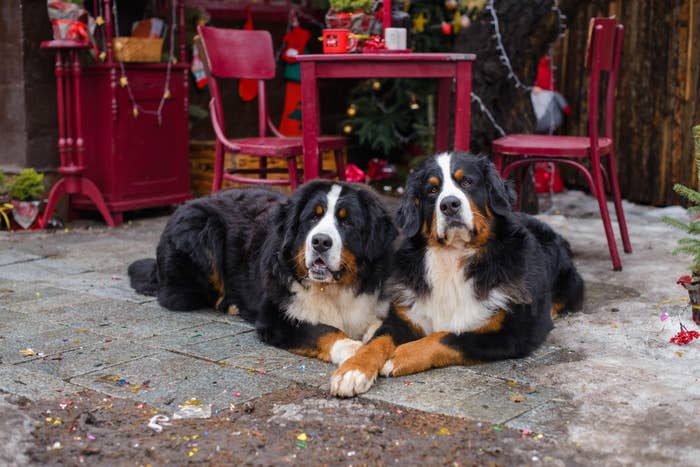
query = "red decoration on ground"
{"x": 684, "y": 337}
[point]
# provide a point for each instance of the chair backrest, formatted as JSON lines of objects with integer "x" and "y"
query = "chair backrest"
{"x": 603, "y": 55}
{"x": 238, "y": 54}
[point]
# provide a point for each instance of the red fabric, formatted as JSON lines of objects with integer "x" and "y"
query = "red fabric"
{"x": 248, "y": 88}
{"x": 295, "y": 39}
{"x": 544, "y": 177}
{"x": 544, "y": 75}
{"x": 292, "y": 102}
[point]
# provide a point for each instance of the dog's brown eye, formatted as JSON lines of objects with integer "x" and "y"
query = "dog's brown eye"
{"x": 318, "y": 210}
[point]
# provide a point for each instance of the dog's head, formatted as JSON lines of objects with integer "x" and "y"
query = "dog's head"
{"x": 330, "y": 231}
{"x": 452, "y": 198}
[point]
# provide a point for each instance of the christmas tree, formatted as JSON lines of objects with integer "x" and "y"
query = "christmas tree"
{"x": 386, "y": 115}
{"x": 690, "y": 245}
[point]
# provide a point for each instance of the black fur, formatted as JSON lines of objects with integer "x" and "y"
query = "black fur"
{"x": 248, "y": 239}
{"x": 522, "y": 256}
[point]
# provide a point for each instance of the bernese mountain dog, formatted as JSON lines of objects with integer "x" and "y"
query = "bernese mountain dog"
{"x": 472, "y": 281}
{"x": 306, "y": 270}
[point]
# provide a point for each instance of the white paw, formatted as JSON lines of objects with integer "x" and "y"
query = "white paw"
{"x": 350, "y": 384}
{"x": 387, "y": 368}
{"x": 343, "y": 349}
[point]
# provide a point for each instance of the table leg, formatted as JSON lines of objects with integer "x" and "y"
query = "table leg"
{"x": 310, "y": 121}
{"x": 77, "y": 115}
{"x": 61, "y": 109}
{"x": 442, "y": 120}
{"x": 463, "y": 106}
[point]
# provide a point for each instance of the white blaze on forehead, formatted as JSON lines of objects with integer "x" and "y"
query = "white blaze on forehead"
{"x": 450, "y": 188}
{"x": 327, "y": 225}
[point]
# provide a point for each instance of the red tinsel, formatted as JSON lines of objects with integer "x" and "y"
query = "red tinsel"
{"x": 684, "y": 337}
{"x": 374, "y": 43}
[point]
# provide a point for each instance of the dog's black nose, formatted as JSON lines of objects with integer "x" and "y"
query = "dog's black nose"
{"x": 450, "y": 205}
{"x": 321, "y": 242}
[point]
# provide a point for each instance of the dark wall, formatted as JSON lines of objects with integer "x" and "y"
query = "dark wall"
{"x": 27, "y": 88}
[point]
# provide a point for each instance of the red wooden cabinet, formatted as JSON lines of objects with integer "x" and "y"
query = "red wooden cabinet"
{"x": 135, "y": 161}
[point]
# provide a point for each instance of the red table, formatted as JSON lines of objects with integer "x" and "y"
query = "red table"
{"x": 443, "y": 67}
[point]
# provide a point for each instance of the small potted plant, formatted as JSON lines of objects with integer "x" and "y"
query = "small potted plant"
{"x": 25, "y": 193}
{"x": 353, "y": 15}
{"x": 691, "y": 245}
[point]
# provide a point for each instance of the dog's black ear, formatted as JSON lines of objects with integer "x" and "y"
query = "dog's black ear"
{"x": 276, "y": 252}
{"x": 381, "y": 230}
{"x": 501, "y": 194}
{"x": 409, "y": 216}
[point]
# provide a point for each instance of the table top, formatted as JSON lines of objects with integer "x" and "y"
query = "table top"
{"x": 387, "y": 57}
{"x": 65, "y": 44}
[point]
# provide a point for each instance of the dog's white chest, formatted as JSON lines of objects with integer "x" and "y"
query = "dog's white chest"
{"x": 357, "y": 315}
{"x": 452, "y": 305}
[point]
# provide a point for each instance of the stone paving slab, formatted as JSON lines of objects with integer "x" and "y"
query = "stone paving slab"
{"x": 14, "y": 292}
{"x": 172, "y": 379}
{"x": 15, "y": 256}
{"x": 32, "y": 384}
{"x": 102, "y": 285}
{"x": 442, "y": 390}
{"x": 47, "y": 342}
{"x": 89, "y": 358}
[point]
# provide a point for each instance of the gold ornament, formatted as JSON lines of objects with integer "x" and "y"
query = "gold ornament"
{"x": 347, "y": 129}
{"x": 102, "y": 56}
{"x": 450, "y": 4}
{"x": 414, "y": 103}
{"x": 419, "y": 22}
{"x": 376, "y": 85}
{"x": 457, "y": 22}
{"x": 352, "y": 111}
{"x": 118, "y": 45}
{"x": 135, "y": 111}
{"x": 174, "y": 61}
{"x": 99, "y": 21}
{"x": 166, "y": 94}
{"x": 123, "y": 81}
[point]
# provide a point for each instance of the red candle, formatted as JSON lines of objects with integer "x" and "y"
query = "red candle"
{"x": 387, "y": 14}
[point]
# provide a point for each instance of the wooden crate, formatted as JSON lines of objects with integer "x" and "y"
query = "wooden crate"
{"x": 202, "y": 166}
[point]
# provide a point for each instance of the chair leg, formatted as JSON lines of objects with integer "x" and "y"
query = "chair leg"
{"x": 293, "y": 176}
{"x": 615, "y": 185}
{"x": 340, "y": 163}
{"x": 604, "y": 214}
{"x": 218, "y": 167}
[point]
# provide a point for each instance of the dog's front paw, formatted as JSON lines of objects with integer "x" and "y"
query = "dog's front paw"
{"x": 350, "y": 380}
{"x": 343, "y": 349}
{"x": 388, "y": 368}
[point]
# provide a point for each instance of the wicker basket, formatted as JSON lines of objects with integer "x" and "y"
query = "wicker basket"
{"x": 137, "y": 49}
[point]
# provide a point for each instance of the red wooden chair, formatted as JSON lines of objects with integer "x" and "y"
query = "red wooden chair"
{"x": 603, "y": 55}
{"x": 245, "y": 54}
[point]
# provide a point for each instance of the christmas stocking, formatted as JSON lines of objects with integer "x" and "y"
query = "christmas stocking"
{"x": 294, "y": 43}
{"x": 248, "y": 88}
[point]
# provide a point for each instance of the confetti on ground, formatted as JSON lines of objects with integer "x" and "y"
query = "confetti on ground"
{"x": 28, "y": 352}
{"x": 497, "y": 428}
{"x": 444, "y": 431}
{"x": 302, "y": 437}
{"x": 516, "y": 397}
{"x": 512, "y": 383}
{"x": 664, "y": 316}
{"x": 157, "y": 422}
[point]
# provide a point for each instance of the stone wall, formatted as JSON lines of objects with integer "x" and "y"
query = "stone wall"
{"x": 28, "y": 125}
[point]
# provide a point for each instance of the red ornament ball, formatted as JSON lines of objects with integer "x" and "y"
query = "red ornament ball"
{"x": 446, "y": 28}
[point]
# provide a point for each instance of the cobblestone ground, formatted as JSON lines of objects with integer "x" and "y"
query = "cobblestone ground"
{"x": 606, "y": 383}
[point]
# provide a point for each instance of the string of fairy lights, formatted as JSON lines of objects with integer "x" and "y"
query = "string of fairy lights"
{"x": 136, "y": 108}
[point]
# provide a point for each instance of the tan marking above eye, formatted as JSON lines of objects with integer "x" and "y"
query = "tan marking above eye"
{"x": 434, "y": 181}
{"x": 318, "y": 210}
{"x": 459, "y": 175}
{"x": 342, "y": 213}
